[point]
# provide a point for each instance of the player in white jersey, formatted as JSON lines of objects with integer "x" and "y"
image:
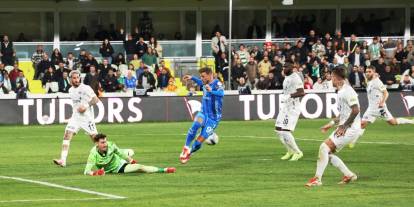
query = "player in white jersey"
{"x": 349, "y": 127}
{"x": 377, "y": 107}
{"x": 289, "y": 112}
{"x": 83, "y": 98}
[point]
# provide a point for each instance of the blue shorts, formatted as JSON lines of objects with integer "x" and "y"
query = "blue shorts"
{"x": 207, "y": 125}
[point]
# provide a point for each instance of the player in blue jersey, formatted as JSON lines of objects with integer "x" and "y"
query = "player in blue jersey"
{"x": 210, "y": 115}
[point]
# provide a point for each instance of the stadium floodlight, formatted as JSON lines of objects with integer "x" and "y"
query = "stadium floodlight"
{"x": 287, "y": 2}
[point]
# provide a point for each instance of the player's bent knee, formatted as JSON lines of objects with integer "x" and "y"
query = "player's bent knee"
{"x": 331, "y": 145}
{"x": 68, "y": 135}
{"x": 392, "y": 122}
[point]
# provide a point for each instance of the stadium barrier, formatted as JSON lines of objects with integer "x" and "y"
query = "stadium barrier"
{"x": 147, "y": 109}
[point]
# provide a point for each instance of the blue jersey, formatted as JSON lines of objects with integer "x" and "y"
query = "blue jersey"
{"x": 212, "y": 102}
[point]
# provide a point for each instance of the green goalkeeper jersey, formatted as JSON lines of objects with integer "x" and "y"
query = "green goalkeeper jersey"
{"x": 112, "y": 161}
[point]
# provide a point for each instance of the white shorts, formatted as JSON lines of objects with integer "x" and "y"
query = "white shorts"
{"x": 87, "y": 125}
{"x": 288, "y": 118}
{"x": 373, "y": 113}
{"x": 342, "y": 141}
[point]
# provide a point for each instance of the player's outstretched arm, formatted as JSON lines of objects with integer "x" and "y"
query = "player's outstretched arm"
{"x": 90, "y": 165}
{"x": 218, "y": 91}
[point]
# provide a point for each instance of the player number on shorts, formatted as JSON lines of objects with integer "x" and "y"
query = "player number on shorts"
{"x": 91, "y": 126}
{"x": 285, "y": 121}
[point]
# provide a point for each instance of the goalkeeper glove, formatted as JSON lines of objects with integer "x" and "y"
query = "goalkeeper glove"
{"x": 99, "y": 172}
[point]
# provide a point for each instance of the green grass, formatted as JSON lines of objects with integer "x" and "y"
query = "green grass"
{"x": 242, "y": 170}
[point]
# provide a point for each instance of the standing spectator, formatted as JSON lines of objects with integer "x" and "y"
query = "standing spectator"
{"x": 318, "y": 48}
{"x": 340, "y": 40}
{"x": 327, "y": 39}
{"x": 141, "y": 47}
{"x": 37, "y": 56}
{"x": 252, "y": 71}
{"x": 146, "y": 80}
{"x": 56, "y": 57}
{"x": 149, "y": 58}
{"x": 70, "y": 61}
{"x": 92, "y": 79}
{"x": 388, "y": 78}
{"x": 263, "y": 83}
{"x": 222, "y": 63}
{"x": 256, "y": 53}
{"x": 347, "y": 66}
{"x": 155, "y": 46}
{"x": 374, "y": 50}
{"x": 276, "y": 67}
{"x": 82, "y": 57}
{"x": 400, "y": 53}
{"x": 13, "y": 75}
{"x": 340, "y": 56}
{"x": 353, "y": 44}
{"x": 356, "y": 58}
{"x": 50, "y": 81}
{"x": 106, "y": 50}
{"x": 300, "y": 52}
{"x": 243, "y": 88}
{"x": 110, "y": 82}
{"x": 330, "y": 52}
{"x": 119, "y": 59}
{"x": 90, "y": 60}
{"x": 42, "y": 67}
{"x": 64, "y": 83}
{"x": 237, "y": 71}
{"x": 243, "y": 54}
{"x": 7, "y": 52}
{"x": 311, "y": 40}
{"x": 356, "y": 78}
{"x": 380, "y": 66}
{"x": 130, "y": 46}
{"x": 83, "y": 34}
{"x": 163, "y": 79}
{"x": 218, "y": 46}
{"x": 21, "y": 86}
{"x": 264, "y": 67}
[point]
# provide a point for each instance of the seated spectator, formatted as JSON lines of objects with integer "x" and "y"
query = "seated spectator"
{"x": 130, "y": 81}
{"x": 92, "y": 79}
{"x": 119, "y": 59}
{"x": 42, "y": 67}
{"x": 50, "y": 81}
{"x": 264, "y": 67}
{"x": 104, "y": 68}
{"x": 318, "y": 48}
{"x": 56, "y": 57}
{"x": 380, "y": 66}
{"x": 252, "y": 73}
{"x": 136, "y": 62}
{"x": 171, "y": 85}
{"x": 149, "y": 58}
{"x": 315, "y": 71}
{"x": 400, "y": 53}
{"x": 407, "y": 83}
{"x": 405, "y": 65}
{"x": 348, "y": 66}
{"x": 257, "y": 54}
{"x": 82, "y": 57}
{"x": 318, "y": 84}
{"x": 110, "y": 82}
{"x": 131, "y": 67}
{"x": 388, "y": 78}
{"x": 356, "y": 78}
{"x": 5, "y": 84}
{"x": 37, "y": 56}
{"x": 307, "y": 82}
{"x": 274, "y": 82}
{"x": 64, "y": 83}
{"x": 237, "y": 71}
{"x": 243, "y": 54}
{"x": 340, "y": 56}
{"x": 263, "y": 83}
{"x": 121, "y": 79}
{"x": 13, "y": 75}
{"x": 357, "y": 58}
{"x": 395, "y": 66}
{"x": 70, "y": 61}
{"x": 106, "y": 50}
{"x": 243, "y": 88}
{"x": 163, "y": 79}
{"x": 222, "y": 63}
{"x": 146, "y": 80}
{"x": 327, "y": 82}
{"x": 21, "y": 86}
{"x": 160, "y": 67}
{"x": 60, "y": 70}
{"x": 140, "y": 70}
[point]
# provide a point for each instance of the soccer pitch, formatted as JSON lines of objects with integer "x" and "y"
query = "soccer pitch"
{"x": 244, "y": 169}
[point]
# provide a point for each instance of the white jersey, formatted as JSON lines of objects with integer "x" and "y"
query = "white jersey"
{"x": 375, "y": 93}
{"x": 291, "y": 83}
{"x": 81, "y": 95}
{"x": 347, "y": 97}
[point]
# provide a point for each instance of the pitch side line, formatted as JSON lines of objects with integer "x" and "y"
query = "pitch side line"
{"x": 54, "y": 199}
{"x": 110, "y": 196}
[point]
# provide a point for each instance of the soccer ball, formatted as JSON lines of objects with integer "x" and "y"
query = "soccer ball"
{"x": 212, "y": 139}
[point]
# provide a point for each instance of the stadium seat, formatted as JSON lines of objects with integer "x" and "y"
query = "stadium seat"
{"x": 35, "y": 86}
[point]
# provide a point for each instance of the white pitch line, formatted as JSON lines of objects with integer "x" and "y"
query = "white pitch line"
{"x": 54, "y": 199}
{"x": 64, "y": 187}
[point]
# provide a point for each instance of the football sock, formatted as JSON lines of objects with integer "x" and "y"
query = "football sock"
{"x": 290, "y": 141}
{"x": 65, "y": 150}
{"x": 322, "y": 161}
{"x": 338, "y": 163}
{"x": 197, "y": 144}
{"x": 404, "y": 121}
{"x": 282, "y": 140}
{"x": 130, "y": 168}
{"x": 192, "y": 133}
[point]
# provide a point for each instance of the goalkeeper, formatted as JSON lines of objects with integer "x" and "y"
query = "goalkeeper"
{"x": 106, "y": 157}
